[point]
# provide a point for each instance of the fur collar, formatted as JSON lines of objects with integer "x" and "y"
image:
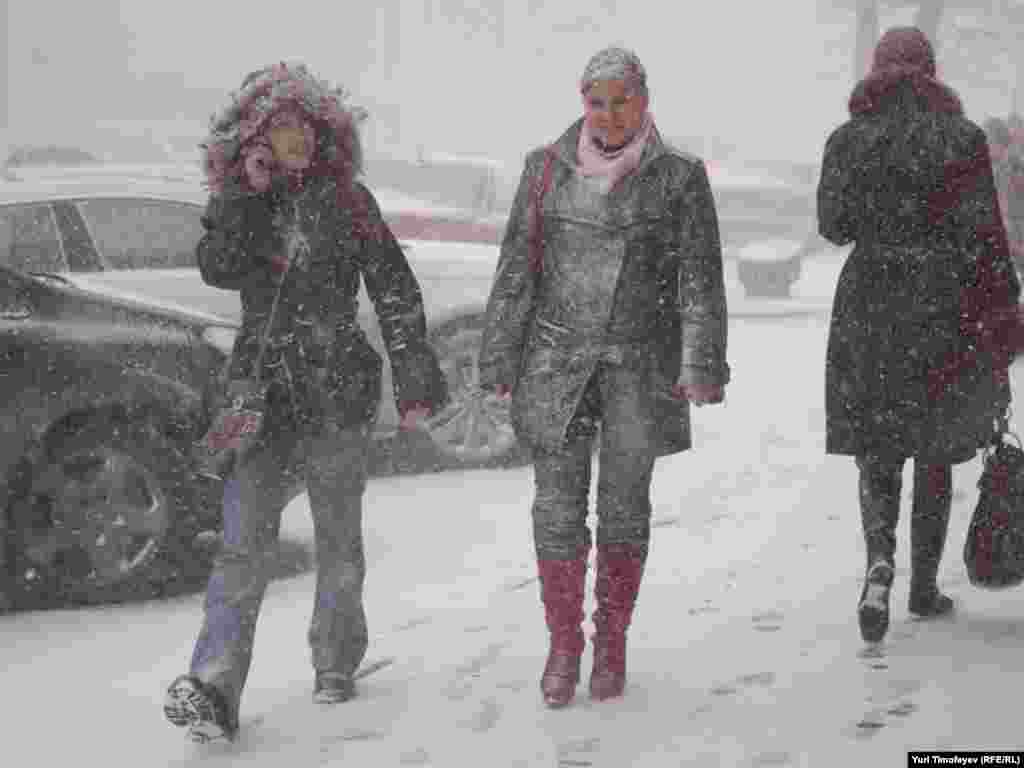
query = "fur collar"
{"x": 883, "y": 89}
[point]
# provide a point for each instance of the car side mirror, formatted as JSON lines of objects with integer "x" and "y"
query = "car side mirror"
{"x": 14, "y": 304}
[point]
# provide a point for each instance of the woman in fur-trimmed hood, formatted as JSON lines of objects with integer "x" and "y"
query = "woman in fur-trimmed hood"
{"x": 238, "y": 147}
{"x": 916, "y": 362}
{"x": 292, "y": 229}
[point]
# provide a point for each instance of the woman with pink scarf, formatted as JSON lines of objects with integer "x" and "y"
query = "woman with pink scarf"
{"x": 607, "y": 310}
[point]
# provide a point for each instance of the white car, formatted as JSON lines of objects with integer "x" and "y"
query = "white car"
{"x": 135, "y": 237}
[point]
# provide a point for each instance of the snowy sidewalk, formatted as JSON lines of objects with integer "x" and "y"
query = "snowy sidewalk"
{"x": 744, "y": 649}
{"x": 811, "y": 294}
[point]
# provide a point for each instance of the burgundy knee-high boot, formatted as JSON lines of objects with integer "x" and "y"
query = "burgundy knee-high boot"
{"x": 562, "y": 585}
{"x": 620, "y": 569}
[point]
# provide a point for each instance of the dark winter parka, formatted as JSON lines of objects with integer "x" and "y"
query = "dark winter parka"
{"x": 915, "y": 363}
{"x": 319, "y": 361}
{"x": 638, "y": 284}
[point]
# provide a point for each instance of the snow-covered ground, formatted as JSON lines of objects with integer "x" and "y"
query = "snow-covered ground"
{"x": 744, "y": 649}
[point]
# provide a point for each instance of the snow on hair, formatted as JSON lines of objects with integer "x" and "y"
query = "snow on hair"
{"x": 615, "y": 63}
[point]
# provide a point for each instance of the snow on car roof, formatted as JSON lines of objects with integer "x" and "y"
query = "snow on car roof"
{"x": 62, "y": 187}
{"x": 65, "y": 186}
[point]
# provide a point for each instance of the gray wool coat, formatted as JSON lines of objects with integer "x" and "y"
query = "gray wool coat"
{"x": 915, "y": 367}
{"x": 634, "y": 279}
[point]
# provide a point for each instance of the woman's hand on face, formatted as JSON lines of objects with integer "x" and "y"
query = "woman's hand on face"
{"x": 259, "y": 167}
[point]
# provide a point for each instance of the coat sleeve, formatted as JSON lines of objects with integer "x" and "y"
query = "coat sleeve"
{"x": 837, "y": 200}
{"x": 991, "y": 288}
{"x": 398, "y": 303}
{"x": 238, "y": 239}
{"x": 702, "y": 305}
{"x": 512, "y": 290}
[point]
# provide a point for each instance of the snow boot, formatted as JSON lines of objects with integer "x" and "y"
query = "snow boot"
{"x": 933, "y": 497}
{"x": 333, "y": 688}
{"x": 562, "y": 584}
{"x": 620, "y": 569}
{"x": 191, "y": 703}
{"x": 880, "y": 485}
{"x": 873, "y": 608}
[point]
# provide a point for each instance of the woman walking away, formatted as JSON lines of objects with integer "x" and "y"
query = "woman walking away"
{"x": 607, "y": 309}
{"x": 291, "y": 228}
{"x": 917, "y": 361}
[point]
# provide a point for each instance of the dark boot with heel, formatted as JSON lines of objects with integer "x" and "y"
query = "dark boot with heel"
{"x": 933, "y": 495}
{"x": 880, "y": 485}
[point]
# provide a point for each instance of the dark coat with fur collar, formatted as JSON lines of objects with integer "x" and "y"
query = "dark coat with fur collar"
{"x": 318, "y": 363}
{"x": 916, "y": 365}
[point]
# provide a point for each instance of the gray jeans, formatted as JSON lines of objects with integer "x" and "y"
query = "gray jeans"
{"x": 611, "y": 399}
{"x": 334, "y": 467}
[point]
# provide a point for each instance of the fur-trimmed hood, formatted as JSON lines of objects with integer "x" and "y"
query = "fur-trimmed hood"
{"x": 891, "y": 85}
{"x": 241, "y": 125}
{"x": 903, "y": 72}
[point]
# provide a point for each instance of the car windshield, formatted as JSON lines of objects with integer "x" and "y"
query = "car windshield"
{"x": 143, "y": 234}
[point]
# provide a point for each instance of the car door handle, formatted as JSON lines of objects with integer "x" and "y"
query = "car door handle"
{"x": 15, "y": 313}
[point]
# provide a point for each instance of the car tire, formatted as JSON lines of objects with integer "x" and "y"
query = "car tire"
{"x": 109, "y": 514}
{"x": 475, "y": 429}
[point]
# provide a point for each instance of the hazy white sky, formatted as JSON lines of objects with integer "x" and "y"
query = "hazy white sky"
{"x": 459, "y": 75}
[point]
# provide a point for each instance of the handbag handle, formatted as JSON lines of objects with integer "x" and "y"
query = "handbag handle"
{"x": 265, "y": 338}
{"x": 537, "y": 220}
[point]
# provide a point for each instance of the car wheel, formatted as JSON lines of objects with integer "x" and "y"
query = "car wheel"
{"x": 108, "y": 516}
{"x": 475, "y": 429}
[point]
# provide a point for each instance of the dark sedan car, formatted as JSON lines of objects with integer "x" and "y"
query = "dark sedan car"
{"x": 103, "y": 401}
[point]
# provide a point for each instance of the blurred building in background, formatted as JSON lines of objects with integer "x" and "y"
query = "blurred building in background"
{"x": 128, "y": 80}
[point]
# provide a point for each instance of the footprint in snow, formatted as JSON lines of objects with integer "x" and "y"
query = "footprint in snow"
{"x": 573, "y": 754}
{"x": 465, "y": 674}
{"x": 702, "y": 609}
{"x": 486, "y": 717}
{"x": 758, "y": 679}
{"x": 873, "y": 655}
{"x": 412, "y": 624}
{"x": 767, "y": 621}
{"x": 771, "y": 759}
{"x": 869, "y": 725}
{"x": 351, "y": 734}
{"x": 418, "y": 756}
{"x": 512, "y": 685}
{"x": 895, "y": 702}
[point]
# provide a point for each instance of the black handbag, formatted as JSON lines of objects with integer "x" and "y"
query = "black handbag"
{"x": 994, "y": 549}
{"x": 237, "y": 426}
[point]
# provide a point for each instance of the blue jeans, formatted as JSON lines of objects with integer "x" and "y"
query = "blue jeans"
{"x": 334, "y": 468}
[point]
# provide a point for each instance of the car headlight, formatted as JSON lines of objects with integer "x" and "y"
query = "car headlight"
{"x": 220, "y": 337}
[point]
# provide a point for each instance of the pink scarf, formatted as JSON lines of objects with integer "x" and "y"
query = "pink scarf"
{"x": 608, "y": 169}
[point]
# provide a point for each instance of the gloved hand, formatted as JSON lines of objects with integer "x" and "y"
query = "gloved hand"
{"x": 412, "y": 413}
{"x": 699, "y": 394}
